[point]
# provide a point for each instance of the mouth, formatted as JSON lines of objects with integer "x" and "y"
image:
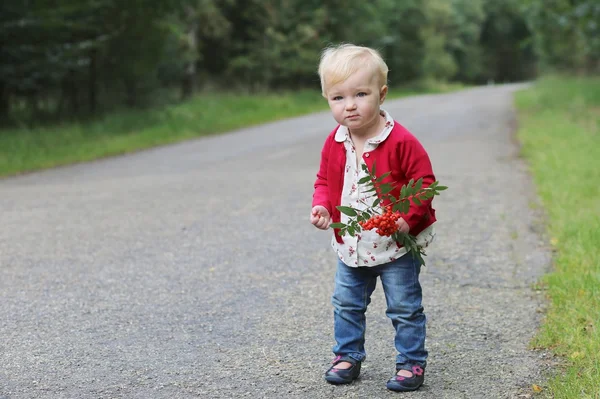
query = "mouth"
{"x": 352, "y": 117}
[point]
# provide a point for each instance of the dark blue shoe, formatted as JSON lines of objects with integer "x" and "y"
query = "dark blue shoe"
{"x": 343, "y": 376}
{"x": 399, "y": 383}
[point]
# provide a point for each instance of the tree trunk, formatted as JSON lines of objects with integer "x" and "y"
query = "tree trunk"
{"x": 4, "y": 102}
{"x": 130, "y": 92}
{"x": 188, "y": 82}
{"x": 70, "y": 87}
{"x": 92, "y": 82}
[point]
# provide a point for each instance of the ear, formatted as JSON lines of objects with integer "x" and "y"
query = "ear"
{"x": 382, "y": 93}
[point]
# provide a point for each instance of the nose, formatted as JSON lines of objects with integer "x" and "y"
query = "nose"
{"x": 350, "y": 104}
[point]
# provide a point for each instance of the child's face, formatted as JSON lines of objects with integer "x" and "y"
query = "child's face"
{"x": 355, "y": 102}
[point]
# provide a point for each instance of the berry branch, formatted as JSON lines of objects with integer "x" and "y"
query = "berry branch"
{"x": 386, "y": 209}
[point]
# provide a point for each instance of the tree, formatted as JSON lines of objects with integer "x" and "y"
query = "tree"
{"x": 566, "y": 32}
{"x": 505, "y": 38}
{"x": 464, "y": 43}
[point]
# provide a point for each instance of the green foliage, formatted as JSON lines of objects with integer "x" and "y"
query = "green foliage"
{"x": 23, "y": 150}
{"x": 438, "y": 62}
{"x": 464, "y": 44}
{"x": 505, "y": 40}
{"x": 73, "y": 58}
{"x": 560, "y": 132}
{"x": 566, "y": 34}
{"x": 68, "y": 51}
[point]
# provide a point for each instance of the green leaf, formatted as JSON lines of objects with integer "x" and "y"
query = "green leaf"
{"x": 376, "y": 202}
{"x": 383, "y": 176}
{"x": 337, "y": 225}
{"x": 441, "y": 188}
{"x": 405, "y": 207}
{"x": 416, "y": 201}
{"x": 364, "y": 180}
{"x": 419, "y": 184}
{"x": 428, "y": 194}
{"x": 386, "y": 188}
{"x": 373, "y": 169}
{"x": 370, "y": 190}
{"x": 351, "y": 231}
{"x": 417, "y": 255}
{"x": 346, "y": 210}
{"x": 403, "y": 192}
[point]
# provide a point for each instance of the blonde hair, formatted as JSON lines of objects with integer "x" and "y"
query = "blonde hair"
{"x": 339, "y": 62}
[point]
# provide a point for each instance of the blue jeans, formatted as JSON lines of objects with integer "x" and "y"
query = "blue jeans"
{"x": 352, "y": 295}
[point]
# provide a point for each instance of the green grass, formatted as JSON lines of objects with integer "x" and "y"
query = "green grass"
{"x": 23, "y": 150}
{"x": 559, "y": 127}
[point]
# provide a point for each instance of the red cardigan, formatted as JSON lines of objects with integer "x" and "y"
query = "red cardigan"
{"x": 401, "y": 153}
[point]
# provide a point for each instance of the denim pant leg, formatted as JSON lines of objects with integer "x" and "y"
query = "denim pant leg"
{"x": 352, "y": 295}
{"x": 400, "y": 280}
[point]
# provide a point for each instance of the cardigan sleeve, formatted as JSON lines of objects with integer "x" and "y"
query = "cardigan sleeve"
{"x": 416, "y": 164}
{"x": 321, "y": 193}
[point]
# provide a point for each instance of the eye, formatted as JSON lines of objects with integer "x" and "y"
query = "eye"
{"x": 336, "y": 98}
{"x": 361, "y": 94}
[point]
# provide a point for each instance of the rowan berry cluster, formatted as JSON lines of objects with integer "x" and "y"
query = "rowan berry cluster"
{"x": 385, "y": 223}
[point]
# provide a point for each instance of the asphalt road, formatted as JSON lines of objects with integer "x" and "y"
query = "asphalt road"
{"x": 191, "y": 271}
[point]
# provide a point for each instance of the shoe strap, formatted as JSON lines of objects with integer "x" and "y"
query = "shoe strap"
{"x": 340, "y": 358}
{"x": 416, "y": 369}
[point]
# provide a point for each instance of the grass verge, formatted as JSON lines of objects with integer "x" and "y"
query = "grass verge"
{"x": 559, "y": 128}
{"x": 24, "y": 150}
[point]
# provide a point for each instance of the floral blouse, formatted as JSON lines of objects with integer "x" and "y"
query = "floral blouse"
{"x": 368, "y": 248}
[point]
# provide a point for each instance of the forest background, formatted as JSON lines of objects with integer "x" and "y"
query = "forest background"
{"x": 67, "y": 59}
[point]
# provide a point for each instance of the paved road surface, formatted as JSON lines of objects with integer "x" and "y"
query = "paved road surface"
{"x": 191, "y": 271}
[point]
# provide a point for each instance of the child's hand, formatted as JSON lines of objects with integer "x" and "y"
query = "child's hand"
{"x": 320, "y": 217}
{"x": 402, "y": 225}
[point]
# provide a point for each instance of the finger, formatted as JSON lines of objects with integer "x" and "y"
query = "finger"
{"x": 322, "y": 222}
{"x": 321, "y": 211}
{"x": 404, "y": 227}
{"x": 314, "y": 219}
